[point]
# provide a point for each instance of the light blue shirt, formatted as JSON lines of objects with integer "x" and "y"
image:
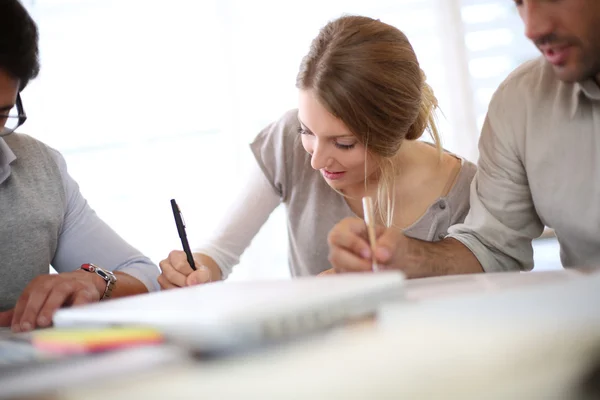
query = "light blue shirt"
{"x": 83, "y": 235}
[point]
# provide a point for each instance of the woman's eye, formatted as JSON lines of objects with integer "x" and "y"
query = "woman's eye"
{"x": 344, "y": 146}
{"x": 303, "y": 131}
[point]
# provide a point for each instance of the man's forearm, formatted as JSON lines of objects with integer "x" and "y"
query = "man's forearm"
{"x": 447, "y": 257}
{"x": 127, "y": 285}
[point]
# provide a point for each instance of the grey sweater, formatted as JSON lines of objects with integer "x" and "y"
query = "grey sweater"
{"x": 32, "y": 206}
{"x": 44, "y": 220}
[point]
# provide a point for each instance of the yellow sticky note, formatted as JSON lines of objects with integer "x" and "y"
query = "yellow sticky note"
{"x": 86, "y": 340}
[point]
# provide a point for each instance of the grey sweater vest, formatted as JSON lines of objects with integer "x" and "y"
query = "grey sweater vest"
{"x": 32, "y": 210}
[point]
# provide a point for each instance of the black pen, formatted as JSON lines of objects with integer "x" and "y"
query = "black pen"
{"x": 181, "y": 230}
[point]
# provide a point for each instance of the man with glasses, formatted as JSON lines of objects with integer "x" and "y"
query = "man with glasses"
{"x": 44, "y": 220}
{"x": 12, "y": 118}
{"x": 539, "y": 162}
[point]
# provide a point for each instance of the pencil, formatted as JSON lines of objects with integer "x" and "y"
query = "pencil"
{"x": 369, "y": 216}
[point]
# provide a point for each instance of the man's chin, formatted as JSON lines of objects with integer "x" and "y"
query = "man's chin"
{"x": 567, "y": 75}
{"x": 571, "y": 74}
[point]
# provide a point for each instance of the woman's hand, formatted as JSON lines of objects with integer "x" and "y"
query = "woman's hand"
{"x": 176, "y": 272}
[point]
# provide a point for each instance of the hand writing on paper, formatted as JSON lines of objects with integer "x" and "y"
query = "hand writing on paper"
{"x": 349, "y": 249}
{"x": 47, "y": 293}
{"x": 176, "y": 271}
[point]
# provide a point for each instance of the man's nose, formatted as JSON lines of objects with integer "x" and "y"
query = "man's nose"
{"x": 538, "y": 22}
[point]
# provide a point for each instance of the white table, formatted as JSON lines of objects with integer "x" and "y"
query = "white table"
{"x": 457, "y": 337}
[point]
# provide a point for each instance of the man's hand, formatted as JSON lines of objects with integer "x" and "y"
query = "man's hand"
{"x": 47, "y": 293}
{"x": 349, "y": 251}
{"x": 6, "y": 318}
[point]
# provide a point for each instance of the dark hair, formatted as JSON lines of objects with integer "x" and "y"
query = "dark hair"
{"x": 365, "y": 73}
{"x": 18, "y": 42}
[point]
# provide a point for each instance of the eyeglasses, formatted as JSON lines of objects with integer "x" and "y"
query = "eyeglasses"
{"x": 13, "y": 119}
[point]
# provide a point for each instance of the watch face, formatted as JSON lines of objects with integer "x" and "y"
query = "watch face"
{"x": 103, "y": 274}
{"x": 106, "y": 275}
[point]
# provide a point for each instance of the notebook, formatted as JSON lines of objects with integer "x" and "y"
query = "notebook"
{"x": 225, "y": 315}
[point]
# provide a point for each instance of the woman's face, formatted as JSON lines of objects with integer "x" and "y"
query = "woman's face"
{"x": 334, "y": 150}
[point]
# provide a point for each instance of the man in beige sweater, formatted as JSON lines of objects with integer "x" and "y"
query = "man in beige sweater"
{"x": 539, "y": 163}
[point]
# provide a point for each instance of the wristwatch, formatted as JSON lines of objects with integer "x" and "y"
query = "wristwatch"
{"x": 108, "y": 276}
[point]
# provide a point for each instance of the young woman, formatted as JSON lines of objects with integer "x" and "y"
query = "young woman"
{"x": 363, "y": 103}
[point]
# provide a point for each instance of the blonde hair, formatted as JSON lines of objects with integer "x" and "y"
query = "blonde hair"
{"x": 366, "y": 73}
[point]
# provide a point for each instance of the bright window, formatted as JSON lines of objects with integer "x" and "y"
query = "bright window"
{"x": 150, "y": 100}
